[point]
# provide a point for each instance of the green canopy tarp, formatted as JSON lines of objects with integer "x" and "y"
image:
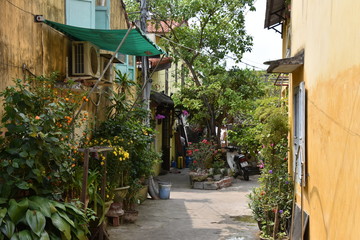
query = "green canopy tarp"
{"x": 136, "y": 44}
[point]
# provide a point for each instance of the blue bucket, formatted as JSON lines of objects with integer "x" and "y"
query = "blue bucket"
{"x": 164, "y": 190}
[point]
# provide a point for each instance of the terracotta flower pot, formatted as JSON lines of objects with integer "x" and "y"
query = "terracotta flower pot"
{"x": 130, "y": 216}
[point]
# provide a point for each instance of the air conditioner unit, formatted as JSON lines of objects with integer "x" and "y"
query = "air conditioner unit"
{"x": 85, "y": 59}
{"x": 108, "y": 75}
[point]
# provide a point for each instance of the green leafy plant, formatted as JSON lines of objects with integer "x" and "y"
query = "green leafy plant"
{"x": 41, "y": 218}
{"x": 36, "y": 167}
{"x": 35, "y": 149}
{"x": 217, "y": 166}
{"x": 271, "y": 202}
{"x": 131, "y": 198}
{"x": 132, "y": 157}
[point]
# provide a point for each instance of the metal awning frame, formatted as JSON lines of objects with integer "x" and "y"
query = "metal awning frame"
{"x": 282, "y": 80}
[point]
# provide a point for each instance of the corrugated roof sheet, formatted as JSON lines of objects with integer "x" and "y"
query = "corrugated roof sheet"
{"x": 274, "y": 14}
{"x": 162, "y": 26}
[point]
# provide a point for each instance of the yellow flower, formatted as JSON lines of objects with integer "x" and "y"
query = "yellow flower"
{"x": 102, "y": 163}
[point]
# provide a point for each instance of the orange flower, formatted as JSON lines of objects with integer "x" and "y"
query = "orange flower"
{"x": 37, "y": 118}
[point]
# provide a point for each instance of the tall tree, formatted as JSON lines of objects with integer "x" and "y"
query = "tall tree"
{"x": 201, "y": 33}
{"x": 230, "y": 94}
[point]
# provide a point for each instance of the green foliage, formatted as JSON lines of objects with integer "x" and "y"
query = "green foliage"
{"x": 271, "y": 202}
{"x": 41, "y": 218}
{"x": 230, "y": 95}
{"x": 134, "y": 137}
{"x": 202, "y": 154}
{"x": 132, "y": 158}
{"x": 212, "y": 29}
{"x": 35, "y": 149}
{"x": 217, "y": 166}
{"x": 35, "y": 162}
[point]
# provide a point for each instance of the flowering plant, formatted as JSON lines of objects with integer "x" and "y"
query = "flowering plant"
{"x": 36, "y": 168}
{"x": 202, "y": 154}
{"x": 271, "y": 202}
{"x": 159, "y": 116}
{"x": 131, "y": 158}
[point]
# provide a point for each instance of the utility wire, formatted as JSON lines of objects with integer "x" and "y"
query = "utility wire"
{"x": 10, "y": 65}
{"x": 196, "y": 51}
{"x": 25, "y": 11}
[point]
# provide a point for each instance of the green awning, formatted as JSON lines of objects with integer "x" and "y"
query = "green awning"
{"x": 136, "y": 44}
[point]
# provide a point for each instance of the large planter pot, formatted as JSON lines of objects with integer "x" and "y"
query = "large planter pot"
{"x": 130, "y": 216}
{"x": 142, "y": 194}
{"x": 120, "y": 193}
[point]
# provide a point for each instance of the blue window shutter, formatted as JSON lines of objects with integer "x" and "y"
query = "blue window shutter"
{"x": 131, "y": 67}
{"x": 128, "y": 67}
{"x": 102, "y": 19}
{"x": 102, "y": 16}
{"x": 80, "y": 13}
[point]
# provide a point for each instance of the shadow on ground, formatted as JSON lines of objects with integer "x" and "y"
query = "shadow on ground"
{"x": 193, "y": 214}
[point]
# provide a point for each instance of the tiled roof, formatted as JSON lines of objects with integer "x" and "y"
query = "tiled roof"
{"x": 162, "y": 26}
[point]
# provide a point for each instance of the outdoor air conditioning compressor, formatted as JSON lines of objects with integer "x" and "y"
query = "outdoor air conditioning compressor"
{"x": 85, "y": 59}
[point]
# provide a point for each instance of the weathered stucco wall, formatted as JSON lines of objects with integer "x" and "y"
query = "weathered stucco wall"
{"x": 42, "y": 49}
{"x": 327, "y": 30}
{"x": 24, "y": 42}
{"x": 118, "y": 15}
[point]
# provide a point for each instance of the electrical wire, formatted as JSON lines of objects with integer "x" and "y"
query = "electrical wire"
{"x": 25, "y": 11}
{"x": 10, "y": 65}
{"x": 196, "y": 51}
{"x": 346, "y": 129}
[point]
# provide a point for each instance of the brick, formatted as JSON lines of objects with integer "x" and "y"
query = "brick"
{"x": 210, "y": 186}
{"x": 198, "y": 185}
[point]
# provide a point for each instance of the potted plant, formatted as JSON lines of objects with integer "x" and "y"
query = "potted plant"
{"x": 130, "y": 202}
{"x": 271, "y": 202}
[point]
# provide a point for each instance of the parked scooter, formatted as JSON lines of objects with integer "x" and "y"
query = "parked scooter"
{"x": 244, "y": 168}
{"x": 239, "y": 164}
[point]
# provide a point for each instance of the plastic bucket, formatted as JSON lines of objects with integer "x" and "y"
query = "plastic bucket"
{"x": 164, "y": 190}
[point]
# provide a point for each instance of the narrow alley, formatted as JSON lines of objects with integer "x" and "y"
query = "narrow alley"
{"x": 194, "y": 214}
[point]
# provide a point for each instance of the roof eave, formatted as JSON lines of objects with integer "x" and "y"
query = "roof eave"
{"x": 286, "y": 65}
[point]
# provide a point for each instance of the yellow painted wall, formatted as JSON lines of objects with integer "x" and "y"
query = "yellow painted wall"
{"x": 118, "y": 15}
{"x": 42, "y": 49}
{"x": 328, "y": 31}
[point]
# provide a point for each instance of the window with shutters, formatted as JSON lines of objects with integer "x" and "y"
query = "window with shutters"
{"x": 80, "y": 13}
{"x": 88, "y": 13}
{"x": 102, "y": 14}
{"x": 129, "y": 65}
{"x": 299, "y": 131}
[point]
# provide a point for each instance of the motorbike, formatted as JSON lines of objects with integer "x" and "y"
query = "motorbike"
{"x": 239, "y": 164}
{"x": 244, "y": 168}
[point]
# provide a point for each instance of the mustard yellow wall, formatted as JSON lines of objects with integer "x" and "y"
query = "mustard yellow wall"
{"x": 328, "y": 32}
{"x": 118, "y": 15}
{"x": 159, "y": 80}
{"x": 42, "y": 49}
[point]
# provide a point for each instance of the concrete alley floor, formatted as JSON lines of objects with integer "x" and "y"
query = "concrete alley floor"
{"x": 193, "y": 214}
